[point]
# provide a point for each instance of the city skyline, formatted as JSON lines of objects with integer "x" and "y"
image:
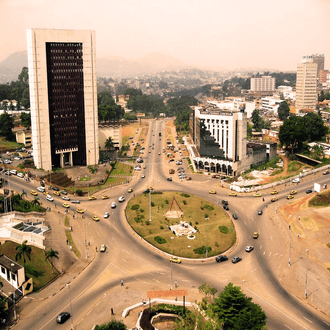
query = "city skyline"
{"x": 210, "y": 34}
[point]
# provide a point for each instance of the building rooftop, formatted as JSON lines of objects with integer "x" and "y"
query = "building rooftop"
{"x": 6, "y": 262}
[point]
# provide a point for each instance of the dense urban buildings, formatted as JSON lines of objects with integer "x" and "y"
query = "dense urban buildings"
{"x": 306, "y": 85}
{"x": 63, "y": 96}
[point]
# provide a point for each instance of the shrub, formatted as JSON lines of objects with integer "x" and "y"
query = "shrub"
{"x": 137, "y": 219}
{"x": 161, "y": 227}
{"x": 160, "y": 240}
{"x": 79, "y": 192}
{"x": 196, "y": 222}
{"x": 185, "y": 195}
{"x": 147, "y": 223}
{"x": 21, "y": 166}
{"x": 206, "y": 215}
{"x": 223, "y": 229}
{"x": 152, "y": 204}
{"x": 184, "y": 202}
{"x": 202, "y": 249}
{"x": 166, "y": 201}
{"x": 207, "y": 207}
{"x": 135, "y": 207}
{"x": 141, "y": 210}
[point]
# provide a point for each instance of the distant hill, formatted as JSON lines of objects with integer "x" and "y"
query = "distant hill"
{"x": 12, "y": 66}
{"x": 110, "y": 66}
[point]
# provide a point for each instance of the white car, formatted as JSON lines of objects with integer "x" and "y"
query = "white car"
{"x": 49, "y": 198}
{"x": 113, "y": 205}
{"x": 66, "y": 198}
{"x": 17, "y": 158}
{"x": 106, "y": 215}
{"x": 121, "y": 199}
{"x": 20, "y": 175}
{"x": 41, "y": 189}
{"x": 14, "y": 172}
{"x": 143, "y": 176}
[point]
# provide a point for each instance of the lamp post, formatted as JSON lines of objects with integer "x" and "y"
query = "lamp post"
{"x": 68, "y": 285}
{"x": 306, "y": 275}
{"x": 11, "y": 270}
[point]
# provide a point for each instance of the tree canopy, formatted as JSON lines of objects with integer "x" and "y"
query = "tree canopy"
{"x": 283, "y": 110}
{"x": 6, "y": 126}
{"x": 25, "y": 119}
{"x": 236, "y": 311}
{"x": 23, "y": 250}
{"x": 112, "y": 325}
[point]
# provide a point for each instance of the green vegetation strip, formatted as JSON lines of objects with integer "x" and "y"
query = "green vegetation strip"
{"x": 38, "y": 267}
{"x": 67, "y": 221}
{"x": 71, "y": 242}
{"x": 322, "y": 200}
{"x": 157, "y": 231}
{"x": 122, "y": 169}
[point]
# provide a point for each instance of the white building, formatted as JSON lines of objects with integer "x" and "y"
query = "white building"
{"x": 262, "y": 84}
{"x": 306, "y": 85}
{"x": 270, "y": 104}
{"x": 63, "y": 97}
{"x": 286, "y": 92}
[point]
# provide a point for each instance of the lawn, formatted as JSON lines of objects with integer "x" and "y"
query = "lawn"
{"x": 10, "y": 145}
{"x": 195, "y": 211}
{"x": 320, "y": 200}
{"x": 38, "y": 268}
{"x": 122, "y": 169}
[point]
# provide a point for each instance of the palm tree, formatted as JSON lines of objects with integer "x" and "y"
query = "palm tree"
{"x": 109, "y": 143}
{"x": 23, "y": 193}
{"x": 23, "y": 251}
{"x": 50, "y": 254}
{"x": 35, "y": 202}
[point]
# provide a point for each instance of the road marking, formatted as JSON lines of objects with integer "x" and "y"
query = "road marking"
{"x": 271, "y": 238}
{"x": 89, "y": 312}
{"x": 186, "y": 281}
{"x": 161, "y": 273}
{"x": 126, "y": 252}
{"x": 281, "y": 255}
{"x": 97, "y": 303}
{"x": 326, "y": 323}
{"x": 264, "y": 253}
{"x": 307, "y": 319}
{"x": 156, "y": 280}
{"x": 272, "y": 296}
{"x": 245, "y": 223}
{"x": 252, "y": 219}
{"x": 270, "y": 254}
{"x": 287, "y": 326}
{"x": 123, "y": 259}
{"x": 98, "y": 233}
{"x": 112, "y": 238}
{"x": 253, "y": 270}
{"x": 275, "y": 254}
{"x": 260, "y": 247}
{"x": 277, "y": 309}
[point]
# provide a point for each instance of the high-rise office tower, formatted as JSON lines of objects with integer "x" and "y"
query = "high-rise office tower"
{"x": 63, "y": 97}
{"x": 306, "y": 85}
{"x": 262, "y": 84}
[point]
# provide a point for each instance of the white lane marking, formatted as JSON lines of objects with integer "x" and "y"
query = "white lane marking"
{"x": 326, "y": 323}
{"x": 266, "y": 224}
{"x": 260, "y": 247}
{"x": 98, "y": 233}
{"x": 123, "y": 260}
{"x": 275, "y": 254}
{"x": 156, "y": 280}
{"x": 272, "y": 296}
{"x": 97, "y": 303}
{"x": 126, "y": 252}
{"x": 161, "y": 273}
{"x": 112, "y": 238}
{"x": 186, "y": 281}
{"x": 281, "y": 255}
{"x": 253, "y": 270}
{"x": 270, "y": 254}
{"x": 287, "y": 326}
{"x": 245, "y": 223}
{"x": 307, "y": 319}
{"x": 264, "y": 253}
{"x": 89, "y": 312}
{"x": 271, "y": 238}
{"x": 252, "y": 219}
{"x": 277, "y": 309}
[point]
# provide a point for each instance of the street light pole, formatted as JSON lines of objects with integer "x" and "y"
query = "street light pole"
{"x": 11, "y": 269}
{"x": 70, "y": 307}
{"x": 306, "y": 275}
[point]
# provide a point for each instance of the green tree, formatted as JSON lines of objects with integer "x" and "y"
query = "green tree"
{"x": 256, "y": 120}
{"x": 283, "y": 110}
{"x": 249, "y": 130}
{"x": 24, "y": 75}
{"x": 233, "y": 308}
{"x": 6, "y": 126}
{"x": 35, "y": 202}
{"x": 207, "y": 290}
{"x": 292, "y": 133}
{"x": 109, "y": 145}
{"x": 23, "y": 250}
{"x": 112, "y": 325}
{"x": 50, "y": 254}
{"x": 26, "y": 119}
{"x": 315, "y": 130}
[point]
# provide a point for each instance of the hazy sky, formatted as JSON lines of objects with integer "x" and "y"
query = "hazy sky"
{"x": 223, "y": 33}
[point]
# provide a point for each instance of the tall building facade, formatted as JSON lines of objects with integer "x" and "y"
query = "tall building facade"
{"x": 63, "y": 97}
{"x": 306, "y": 85}
{"x": 262, "y": 84}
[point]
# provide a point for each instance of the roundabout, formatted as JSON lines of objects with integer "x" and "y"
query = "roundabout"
{"x": 168, "y": 219}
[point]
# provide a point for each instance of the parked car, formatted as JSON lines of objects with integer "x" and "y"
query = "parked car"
{"x": 326, "y": 172}
{"x": 226, "y": 207}
{"x": 55, "y": 188}
{"x": 274, "y": 199}
{"x": 169, "y": 179}
{"x": 66, "y": 198}
{"x": 221, "y": 258}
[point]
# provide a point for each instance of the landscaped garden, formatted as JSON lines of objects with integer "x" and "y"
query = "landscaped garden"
{"x": 213, "y": 227}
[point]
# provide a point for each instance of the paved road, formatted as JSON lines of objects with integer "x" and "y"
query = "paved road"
{"x": 97, "y": 288}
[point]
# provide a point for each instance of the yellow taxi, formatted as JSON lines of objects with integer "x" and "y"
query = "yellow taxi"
{"x": 233, "y": 194}
{"x": 80, "y": 210}
{"x": 91, "y": 198}
{"x": 130, "y": 190}
{"x": 212, "y": 192}
{"x": 34, "y": 193}
{"x": 105, "y": 197}
{"x": 257, "y": 195}
{"x": 274, "y": 199}
{"x": 289, "y": 197}
{"x": 95, "y": 218}
{"x": 175, "y": 260}
{"x": 45, "y": 193}
{"x": 274, "y": 192}
{"x": 57, "y": 193}
{"x": 293, "y": 192}
{"x": 66, "y": 205}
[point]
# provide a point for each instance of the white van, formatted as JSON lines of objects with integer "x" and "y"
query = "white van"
{"x": 41, "y": 189}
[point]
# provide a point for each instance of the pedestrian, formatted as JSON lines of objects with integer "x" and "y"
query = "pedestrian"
{"x": 298, "y": 235}
{"x": 299, "y": 217}
{"x": 112, "y": 313}
{"x": 176, "y": 283}
{"x": 289, "y": 227}
{"x": 263, "y": 199}
{"x": 55, "y": 206}
{"x": 71, "y": 247}
{"x": 96, "y": 248}
{"x": 67, "y": 242}
{"x": 121, "y": 282}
